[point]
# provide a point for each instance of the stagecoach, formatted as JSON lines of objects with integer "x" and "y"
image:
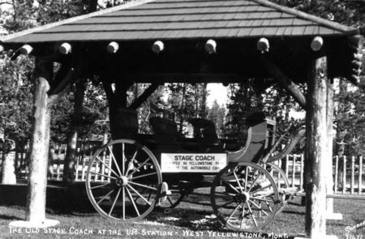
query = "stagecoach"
{"x": 128, "y": 177}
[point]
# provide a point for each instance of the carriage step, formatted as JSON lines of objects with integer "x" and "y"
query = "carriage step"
{"x": 164, "y": 193}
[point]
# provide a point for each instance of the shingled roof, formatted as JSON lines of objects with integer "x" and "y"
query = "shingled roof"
{"x": 182, "y": 19}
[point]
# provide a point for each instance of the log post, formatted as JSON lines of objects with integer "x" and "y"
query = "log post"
{"x": 36, "y": 199}
{"x": 316, "y": 155}
{"x": 38, "y": 161}
{"x": 329, "y": 157}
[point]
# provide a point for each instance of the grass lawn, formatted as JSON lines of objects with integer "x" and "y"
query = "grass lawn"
{"x": 191, "y": 219}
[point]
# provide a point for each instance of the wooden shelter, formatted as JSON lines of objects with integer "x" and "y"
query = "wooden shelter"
{"x": 225, "y": 41}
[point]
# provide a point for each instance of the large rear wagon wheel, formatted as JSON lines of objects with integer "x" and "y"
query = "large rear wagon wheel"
{"x": 244, "y": 196}
{"x": 281, "y": 181}
{"x": 123, "y": 180}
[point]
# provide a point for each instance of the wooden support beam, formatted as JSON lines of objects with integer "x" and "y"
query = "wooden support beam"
{"x": 142, "y": 98}
{"x": 39, "y": 153}
{"x": 26, "y": 49}
{"x": 38, "y": 159}
{"x": 330, "y": 117}
{"x": 263, "y": 45}
{"x": 211, "y": 46}
{"x": 317, "y": 43}
{"x": 65, "y": 77}
{"x": 112, "y": 47}
{"x": 65, "y": 48}
{"x": 284, "y": 81}
{"x": 184, "y": 77}
{"x": 316, "y": 147}
{"x": 158, "y": 46}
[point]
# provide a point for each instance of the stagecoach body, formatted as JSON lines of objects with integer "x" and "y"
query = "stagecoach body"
{"x": 159, "y": 170}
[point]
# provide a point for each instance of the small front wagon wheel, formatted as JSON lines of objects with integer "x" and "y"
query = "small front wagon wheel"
{"x": 244, "y": 196}
{"x": 123, "y": 180}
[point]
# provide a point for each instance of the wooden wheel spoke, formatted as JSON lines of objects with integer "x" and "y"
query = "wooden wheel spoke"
{"x": 246, "y": 177}
{"x": 238, "y": 181}
{"x": 114, "y": 202}
{"x": 140, "y": 195}
{"x": 227, "y": 203}
{"x": 252, "y": 215}
{"x": 259, "y": 207}
{"x": 263, "y": 199}
{"x": 230, "y": 185}
{"x": 234, "y": 211}
{"x": 262, "y": 189}
{"x": 123, "y": 202}
{"x": 140, "y": 166}
{"x": 253, "y": 182}
{"x": 130, "y": 164}
{"x": 134, "y": 204}
{"x": 123, "y": 158}
{"x": 115, "y": 161}
{"x": 103, "y": 175}
{"x": 145, "y": 175}
{"x": 103, "y": 162}
{"x": 268, "y": 205}
{"x": 99, "y": 186}
{"x": 106, "y": 196}
{"x": 134, "y": 155}
{"x": 144, "y": 186}
{"x": 242, "y": 215}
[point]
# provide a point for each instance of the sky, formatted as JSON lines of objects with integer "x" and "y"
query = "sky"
{"x": 217, "y": 92}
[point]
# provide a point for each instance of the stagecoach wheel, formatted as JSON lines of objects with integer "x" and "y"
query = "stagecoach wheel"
{"x": 244, "y": 196}
{"x": 281, "y": 181}
{"x": 123, "y": 180}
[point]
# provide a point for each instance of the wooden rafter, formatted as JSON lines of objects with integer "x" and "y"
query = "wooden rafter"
{"x": 284, "y": 81}
{"x": 184, "y": 77}
{"x": 137, "y": 103}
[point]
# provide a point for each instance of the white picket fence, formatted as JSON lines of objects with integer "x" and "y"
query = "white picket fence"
{"x": 348, "y": 172}
{"x": 349, "y": 175}
{"x": 84, "y": 154}
{"x": 293, "y": 166}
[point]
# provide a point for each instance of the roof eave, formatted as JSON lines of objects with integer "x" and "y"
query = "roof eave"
{"x": 8, "y": 38}
{"x": 333, "y": 25}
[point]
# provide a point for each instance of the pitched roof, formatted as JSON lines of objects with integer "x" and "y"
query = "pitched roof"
{"x": 181, "y": 19}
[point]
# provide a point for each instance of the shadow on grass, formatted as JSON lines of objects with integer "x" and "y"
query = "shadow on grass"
{"x": 11, "y": 218}
{"x": 285, "y": 211}
{"x": 60, "y": 200}
{"x": 202, "y": 220}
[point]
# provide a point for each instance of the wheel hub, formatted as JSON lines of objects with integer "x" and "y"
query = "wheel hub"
{"x": 122, "y": 181}
{"x": 244, "y": 197}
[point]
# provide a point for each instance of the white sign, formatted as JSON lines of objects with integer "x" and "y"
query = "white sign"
{"x": 192, "y": 163}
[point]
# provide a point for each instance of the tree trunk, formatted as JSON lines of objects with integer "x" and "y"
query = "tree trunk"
{"x": 70, "y": 159}
{"x": 181, "y": 111}
{"x": 316, "y": 150}
{"x": 36, "y": 199}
